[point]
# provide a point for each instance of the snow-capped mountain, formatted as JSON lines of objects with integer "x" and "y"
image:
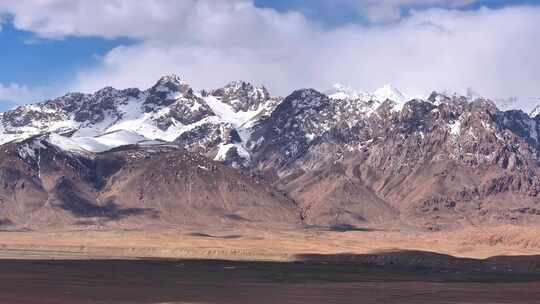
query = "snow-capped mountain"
{"x": 344, "y": 156}
{"x": 340, "y": 91}
{"x": 441, "y": 162}
{"x": 388, "y": 92}
{"x": 368, "y": 102}
{"x": 211, "y": 122}
{"x": 226, "y": 124}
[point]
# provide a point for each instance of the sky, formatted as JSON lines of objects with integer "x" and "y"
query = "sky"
{"x": 50, "y": 47}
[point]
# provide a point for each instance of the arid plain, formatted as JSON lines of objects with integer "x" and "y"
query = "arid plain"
{"x": 284, "y": 245}
{"x": 313, "y": 265}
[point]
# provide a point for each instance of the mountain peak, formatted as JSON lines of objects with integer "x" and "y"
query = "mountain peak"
{"x": 239, "y": 84}
{"x": 535, "y": 112}
{"x": 106, "y": 91}
{"x": 340, "y": 91}
{"x": 339, "y": 87}
{"x": 242, "y": 95}
{"x": 258, "y": 91}
{"x": 173, "y": 78}
{"x": 437, "y": 97}
{"x": 171, "y": 83}
{"x": 388, "y": 91}
{"x": 305, "y": 98}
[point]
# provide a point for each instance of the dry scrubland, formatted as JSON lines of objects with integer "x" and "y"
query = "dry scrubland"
{"x": 284, "y": 245}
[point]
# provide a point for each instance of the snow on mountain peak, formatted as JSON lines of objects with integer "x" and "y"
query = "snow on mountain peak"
{"x": 249, "y": 90}
{"x": 171, "y": 83}
{"x": 535, "y": 112}
{"x": 242, "y": 96}
{"x": 172, "y": 78}
{"x": 388, "y": 91}
{"x": 241, "y": 85}
{"x": 340, "y": 91}
{"x": 438, "y": 98}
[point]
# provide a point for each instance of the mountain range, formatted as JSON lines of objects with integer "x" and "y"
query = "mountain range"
{"x": 174, "y": 156}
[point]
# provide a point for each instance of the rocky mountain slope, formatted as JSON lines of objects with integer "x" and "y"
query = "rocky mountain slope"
{"x": 136, "y": 186}
{"x": 342, "y": 159}
{"x": 535, "y": 112}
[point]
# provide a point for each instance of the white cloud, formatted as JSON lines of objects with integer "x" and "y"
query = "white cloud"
{"x": 211, "y": 42}
{"x": 104, "y": 18}
{"x": 20, "y": 94}
{"x": 189, "y": 21}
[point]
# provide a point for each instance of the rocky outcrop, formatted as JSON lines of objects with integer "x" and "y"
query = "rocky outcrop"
{"x": 242, "y": 96}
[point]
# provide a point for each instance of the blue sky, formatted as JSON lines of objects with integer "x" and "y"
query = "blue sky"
{"x": 33, "y": 61}
{"x": 43, "y": 55}
{"x": 323, "y": 11}
{"x": 47, "y": 63}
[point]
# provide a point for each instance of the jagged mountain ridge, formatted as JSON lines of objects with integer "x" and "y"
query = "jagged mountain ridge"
{"x": 440, "y": 162}
{"x": 211, "y": 122}
{"x": 345, "y": 157}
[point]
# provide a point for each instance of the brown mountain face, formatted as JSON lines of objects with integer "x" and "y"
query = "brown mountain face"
{"x": 439, "y": 177}
{"x": 428, "y": 165}
{"x": 132, "y": 187}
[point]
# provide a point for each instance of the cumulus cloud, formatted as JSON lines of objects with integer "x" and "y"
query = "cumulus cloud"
{"x": 189, "y": 21}
{"x": 16, "y": 93}
{"x": 103, "y": 18}
{"x": 211, "y": 42}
